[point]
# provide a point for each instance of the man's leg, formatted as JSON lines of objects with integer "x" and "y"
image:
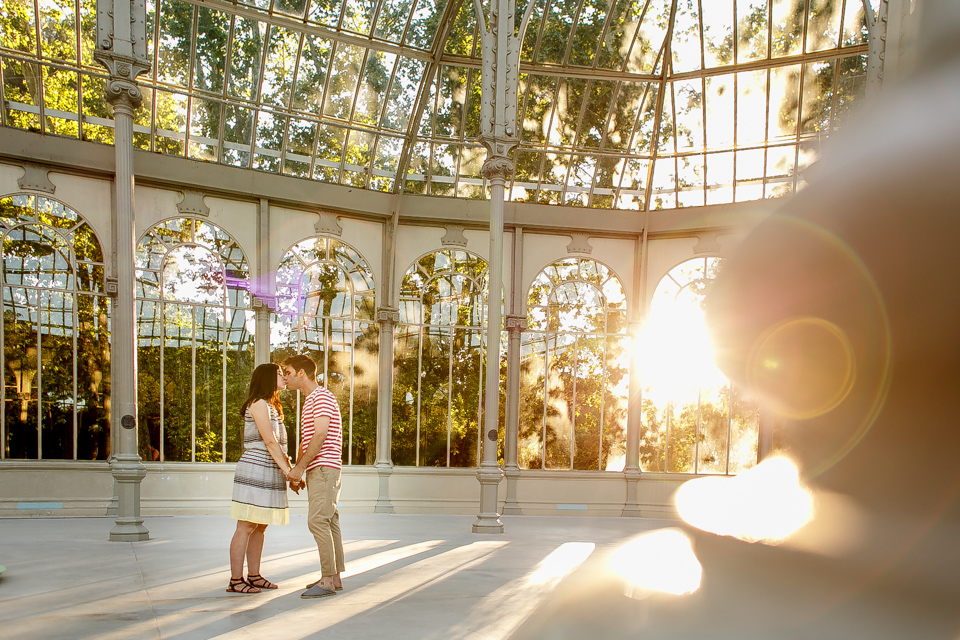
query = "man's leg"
{"x": 322, "y": 509}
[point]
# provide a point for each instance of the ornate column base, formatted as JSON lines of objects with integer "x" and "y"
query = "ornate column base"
{"x": 511, "y": 507}
{"x": 631, "y": 507}
{"x": 488, "y": 521}
{"x": 112, "y": 508}
{"x": 383, "y": 498}
{"x": 128, "y": 472}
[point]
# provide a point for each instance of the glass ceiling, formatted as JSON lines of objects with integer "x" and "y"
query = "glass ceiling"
{"x": 623, "y": 104}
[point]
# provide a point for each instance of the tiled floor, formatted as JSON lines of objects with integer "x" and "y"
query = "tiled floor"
{"x": 429, "y": 577}
{"x": 407, "y": 577}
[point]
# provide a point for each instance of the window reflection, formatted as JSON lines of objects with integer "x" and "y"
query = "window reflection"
{"x": 694, "y": 419}
{"x": 56, "y": 341}
{"x": 254, "y": 86}
{"x": 326, "y": 309}
{"x": 195, "y": 347}
{"x": 439, "y": 361}
{"x": 574, "y": 369}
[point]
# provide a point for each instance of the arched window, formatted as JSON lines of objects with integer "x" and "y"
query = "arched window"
{"x": 56, "y": 340}
{"x": 195, "y": 344}
{"x": 574, "y": 369}
{"x": 439, "y": 361}
{"x": 326, "y": 306}
{"x": 695, "y": 420}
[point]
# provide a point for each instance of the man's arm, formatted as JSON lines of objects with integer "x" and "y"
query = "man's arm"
{"x": 320, "y": 426}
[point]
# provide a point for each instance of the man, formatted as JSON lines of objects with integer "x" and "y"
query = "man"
{"x": 321, "y": 437}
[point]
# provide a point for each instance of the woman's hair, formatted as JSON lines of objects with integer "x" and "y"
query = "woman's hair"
{"x": 263, "y": 386}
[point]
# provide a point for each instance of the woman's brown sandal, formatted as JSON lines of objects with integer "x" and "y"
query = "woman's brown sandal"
{"x": 239, "y": 585}
{"x": 257, "y": 580}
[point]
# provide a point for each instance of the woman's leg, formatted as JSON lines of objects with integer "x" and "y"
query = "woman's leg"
{"x": 255, "y": 549}
{"x": 238, "y": 547}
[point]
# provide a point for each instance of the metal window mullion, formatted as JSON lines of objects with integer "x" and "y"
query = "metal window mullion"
{"x": 603, "y": 386}
{"x": 223, "y": 381}
{"x": 634, "y": 38}
{"x": 573, "y": 404}
{"x": 803, "y": 31}
{"x": 75, "y": 305}
{"x": 419, "y": 388}
{"x": 450, "y": 392}
{"x": 193, "y": 384}
{"x": 603, "y": 36}
{"x": 353, "y": 362}
{"x": 658, "y": 113}
{"x": 39, "y": 375}
{"x": 696, "y": 438}
{"x": 729, "y": 424}
{"x": 3, "y": 352}
{"x": 163, "y": 386}
{"x": 543, "y": 22}
{"x": 480, "y": 381}
{"x": 258, "y": 104}
{"x": 736, "y": 104}
{"x": 546, "y": 389}
{"x": 573, "y": 30}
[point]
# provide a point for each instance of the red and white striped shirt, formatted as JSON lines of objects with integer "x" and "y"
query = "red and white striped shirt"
{"x": 322, "y": 403}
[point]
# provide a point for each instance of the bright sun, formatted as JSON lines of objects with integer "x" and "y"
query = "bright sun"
{"x": 675, "y": 351}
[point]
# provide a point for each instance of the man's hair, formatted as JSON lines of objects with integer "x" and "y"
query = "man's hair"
{"x": 299, "y": 362}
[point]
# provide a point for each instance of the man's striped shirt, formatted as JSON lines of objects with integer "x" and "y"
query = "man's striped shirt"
{"x": 322, "y": 403}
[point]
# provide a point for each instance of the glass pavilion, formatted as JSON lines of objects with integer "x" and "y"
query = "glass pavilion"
{"x": 309, "y": 178}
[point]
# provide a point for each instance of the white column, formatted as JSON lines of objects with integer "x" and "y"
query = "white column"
{"x": 515, "y": 324}
{"x": 388, "y": 318}
{"x": 495, "y": 169}
{"x": 631, "y": 468}
{"x": 121, "y": 48}
{"x": 264, "y": 289}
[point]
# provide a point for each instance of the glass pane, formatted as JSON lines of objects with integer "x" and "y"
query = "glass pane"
{"x": 21, "y": 356}
{"x": 406, "y": 391}
{"x": 93, "y": 378}
{"x": 345, "y": 71}
{"x": 245, "y": 54}
{"x": 467, "y": 371}
{"x": 559, "y": 417}
{"x": 149, "y": 323}
{"x": 178, "y": 367}
{"x": 176, "y": 35}
{"x": 208, "y": 390}
{"x": 752, "y": 30}
{"x": 213, "y": 28}
{"x": 712, "y": 446}
{"x": 312, "y": 74}
{"x": 281, "y": 60}
{"x": 434, "y": 397}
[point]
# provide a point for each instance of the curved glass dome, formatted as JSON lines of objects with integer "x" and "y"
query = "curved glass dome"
{"x": 623, "y": 104}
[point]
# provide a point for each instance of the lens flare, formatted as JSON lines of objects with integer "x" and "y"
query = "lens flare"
{"x": 765, "y": 504}
{"x": 802, "y": 367}
{"x": 660, "y": 561}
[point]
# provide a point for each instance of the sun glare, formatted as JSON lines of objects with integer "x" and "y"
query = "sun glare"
{"x": 660, "y": 561}
{"x": 764, "y": 504}
{"x": 675, "y": 350}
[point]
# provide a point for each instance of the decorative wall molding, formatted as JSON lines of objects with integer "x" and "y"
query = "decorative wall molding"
{"x": 515, "y": 323}
{"x": 388, "y": 315}
{"x": 579, "y": 243}
{"x": 708, "y": 242}
{"x": 193, "y": 204}
{"x": 36, "y": 178}
{"x": 328, "y": 224}
{"x": 454, "y": 237}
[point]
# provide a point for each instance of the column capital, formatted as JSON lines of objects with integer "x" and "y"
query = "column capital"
{"x": 388, "y": 315}
{"x": 122, "y": 90}
{"x": 516, "y": 324}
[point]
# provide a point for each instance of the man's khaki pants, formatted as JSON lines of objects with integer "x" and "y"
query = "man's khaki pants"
{"x": 323, "y": 493}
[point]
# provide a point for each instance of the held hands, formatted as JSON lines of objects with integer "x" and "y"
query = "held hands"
{"x": 295, "y": 478}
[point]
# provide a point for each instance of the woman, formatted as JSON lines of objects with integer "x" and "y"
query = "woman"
{"x": 259, "y": 484}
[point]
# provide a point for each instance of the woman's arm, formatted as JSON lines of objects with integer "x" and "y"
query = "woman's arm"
{"x": 261, "y": 416}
